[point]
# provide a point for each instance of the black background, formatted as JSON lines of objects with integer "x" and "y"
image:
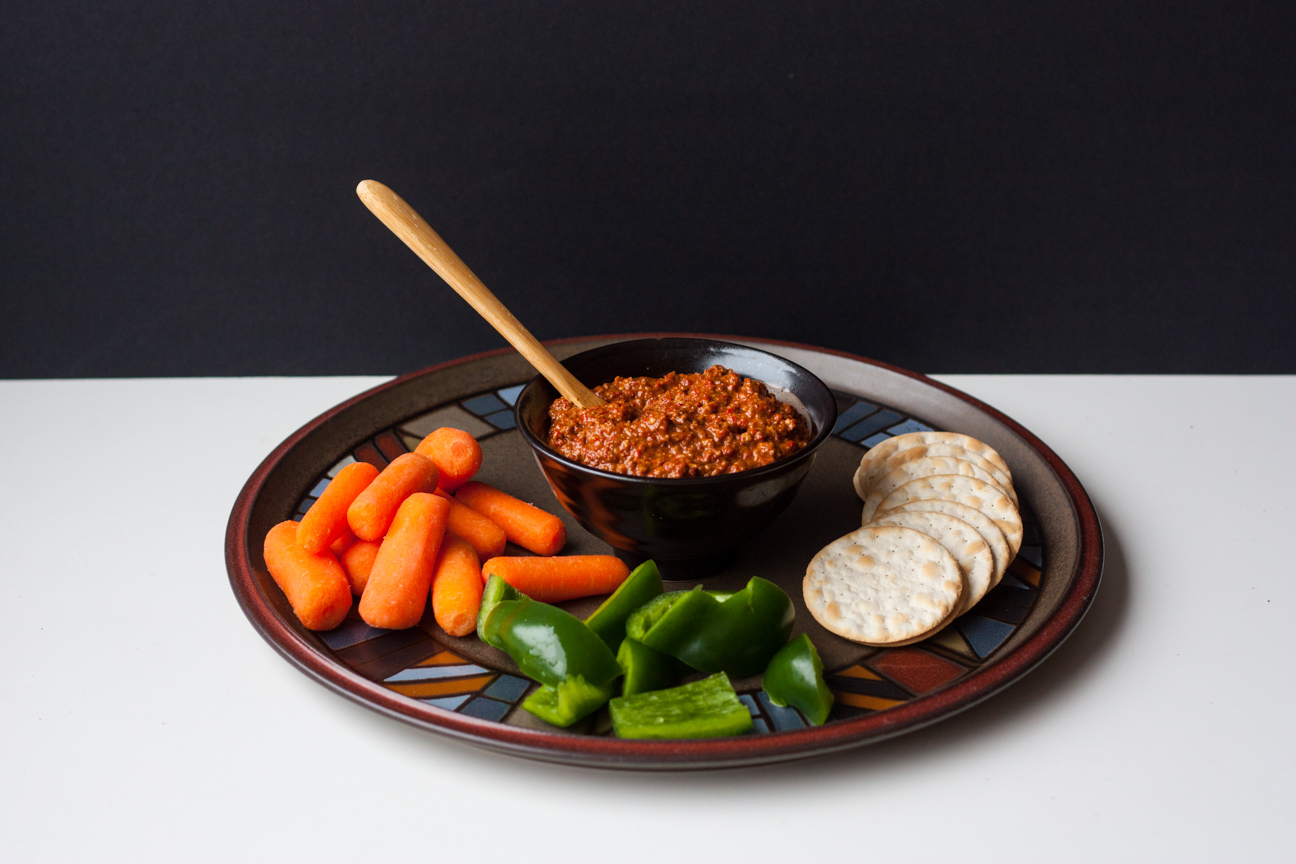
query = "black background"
{"x": 951, "y": 187}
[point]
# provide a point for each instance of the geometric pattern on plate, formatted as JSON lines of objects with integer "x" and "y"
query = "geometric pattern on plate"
{"x": 381, "y": 655}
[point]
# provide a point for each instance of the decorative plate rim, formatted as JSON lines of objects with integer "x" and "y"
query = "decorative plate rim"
{"x": 598, "y": 751}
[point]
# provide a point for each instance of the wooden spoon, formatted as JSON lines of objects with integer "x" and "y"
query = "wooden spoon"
{"x": 409, "y": 226}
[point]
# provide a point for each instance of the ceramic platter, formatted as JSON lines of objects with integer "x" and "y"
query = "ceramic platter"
{"x": 463, "y": 689}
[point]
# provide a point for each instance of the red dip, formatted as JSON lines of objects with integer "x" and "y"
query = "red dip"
{"x": 694, "y": 425}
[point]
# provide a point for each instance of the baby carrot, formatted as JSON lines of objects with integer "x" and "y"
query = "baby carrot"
{"x": 457, "y": 587}
{"x": 315, "y": 585}
{"x": 343, "y": 543}
{"x": 455, "y": 452}
{"x": 371, "y": 513}
{"x": 358, "y": 561}
{"x": 326, "y": 519}
{"x": 486, "y": 537}
{"x": 529, "y": 527}
{"x": 552, "y": 580}
{"x": 401, "y": 578}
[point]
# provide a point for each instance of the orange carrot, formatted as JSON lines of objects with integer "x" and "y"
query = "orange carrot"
{"x": 457, "y": 587}
{"x": 455, "y": 452}
{"x": 486, "y": 538}
{"x": 401, "y": 578}
{"x": 552, "y": 580}
{"x": 371, "y": 513}
{"x": 529, "y": 527}
{"x": 315, "y": 585}
{"x": 343, "y": 543}
{"x": 326, "y": 519}
{"x": 358, "y": 561}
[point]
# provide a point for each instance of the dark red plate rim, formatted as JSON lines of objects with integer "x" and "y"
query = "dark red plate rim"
{"x": 719, "y": 752}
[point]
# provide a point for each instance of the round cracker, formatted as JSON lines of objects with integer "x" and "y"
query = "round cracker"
{"x": 921, "y": 451}
{"x": 965, "y": 490}
{"x": 984, "y": 525}
{"x": 965, "y": 543}
{"x": 885, "y": 449}
{"x": 928, "y": 466}
{"x": 883, "y": 586}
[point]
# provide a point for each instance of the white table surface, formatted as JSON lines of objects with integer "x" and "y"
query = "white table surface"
{"x": 144, "y": 718}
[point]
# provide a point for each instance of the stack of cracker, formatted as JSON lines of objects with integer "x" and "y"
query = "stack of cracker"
{"x": 941, "y": 526}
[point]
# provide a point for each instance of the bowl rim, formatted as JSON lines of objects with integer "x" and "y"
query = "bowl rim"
{"x": 775, "y": 468}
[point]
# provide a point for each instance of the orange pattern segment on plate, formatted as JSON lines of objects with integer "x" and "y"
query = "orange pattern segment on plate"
{"x": 917, "y": 670}
{"x": 859, "y": 672}
{"x": 443, "y": 658}
{"x": 429, "y": 689}
{"x": 1025, "y": 571}
{"x": 859, "y": 700}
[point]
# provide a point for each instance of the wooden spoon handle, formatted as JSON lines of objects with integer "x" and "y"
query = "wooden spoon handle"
{"x": 409, "y": 226}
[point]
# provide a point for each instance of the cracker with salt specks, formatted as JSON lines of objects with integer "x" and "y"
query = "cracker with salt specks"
{"x": 928, "y": 466}
{"x": 885, "y": 449}
{"x": 968, "y": 547}
{"x": 922, "y": 451}
{"x": 965, "y": 490}
{"x": 983, "y": 524}
{"x": 883, "y": 586}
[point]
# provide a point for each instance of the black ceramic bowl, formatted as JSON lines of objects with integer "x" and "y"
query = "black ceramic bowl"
{"x": 689, "y": 526}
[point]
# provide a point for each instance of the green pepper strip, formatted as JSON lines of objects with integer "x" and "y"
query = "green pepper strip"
{"x": 738, "y": 635}
{"x": 550, "y": 644}
{"x": 568, "y": 702}
{"x": 795, "y": 677}
{"x": 555, "y": 648}
{"x": 495, "y": 591}
{"x": 702, "y": 709}
{"x": 609, "y": 620}
{"x": 646, "y": 669}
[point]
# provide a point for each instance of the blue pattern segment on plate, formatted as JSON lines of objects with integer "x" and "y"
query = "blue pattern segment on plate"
{"x": 909, "y": 426}
{"x": 871, "y": 424}
{"x": 782, "y": 718}
{"x": 510, "y": 394}
{"x": 487, "y": 403}
{"x": 856, "y": 412}
{"x": 486, "y": 709}
{"x": 983, "y": 634}
{"x": 449, "y": 703}
{"x": 509, "y": 688}
{"x": 350, "y": 632}
{"x": 432, "y": 673}
{"x": 501, "y": 419}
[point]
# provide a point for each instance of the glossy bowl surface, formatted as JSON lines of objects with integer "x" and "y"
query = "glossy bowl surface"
{"x": 689, "y": 526}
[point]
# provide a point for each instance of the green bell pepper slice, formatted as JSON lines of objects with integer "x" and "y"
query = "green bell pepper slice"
{"x": 496, "y": 590}
{"x": 570, "y": 701}
{"x": 549, "y": 644}
{"x": 738, "y": 634}
{"x": 703, "y": 709}
{"x": 609, "y": 620}
{"x": 646, "y": 669}
{"x": 795, "y": 677}
{"x": 576, "y": 668}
